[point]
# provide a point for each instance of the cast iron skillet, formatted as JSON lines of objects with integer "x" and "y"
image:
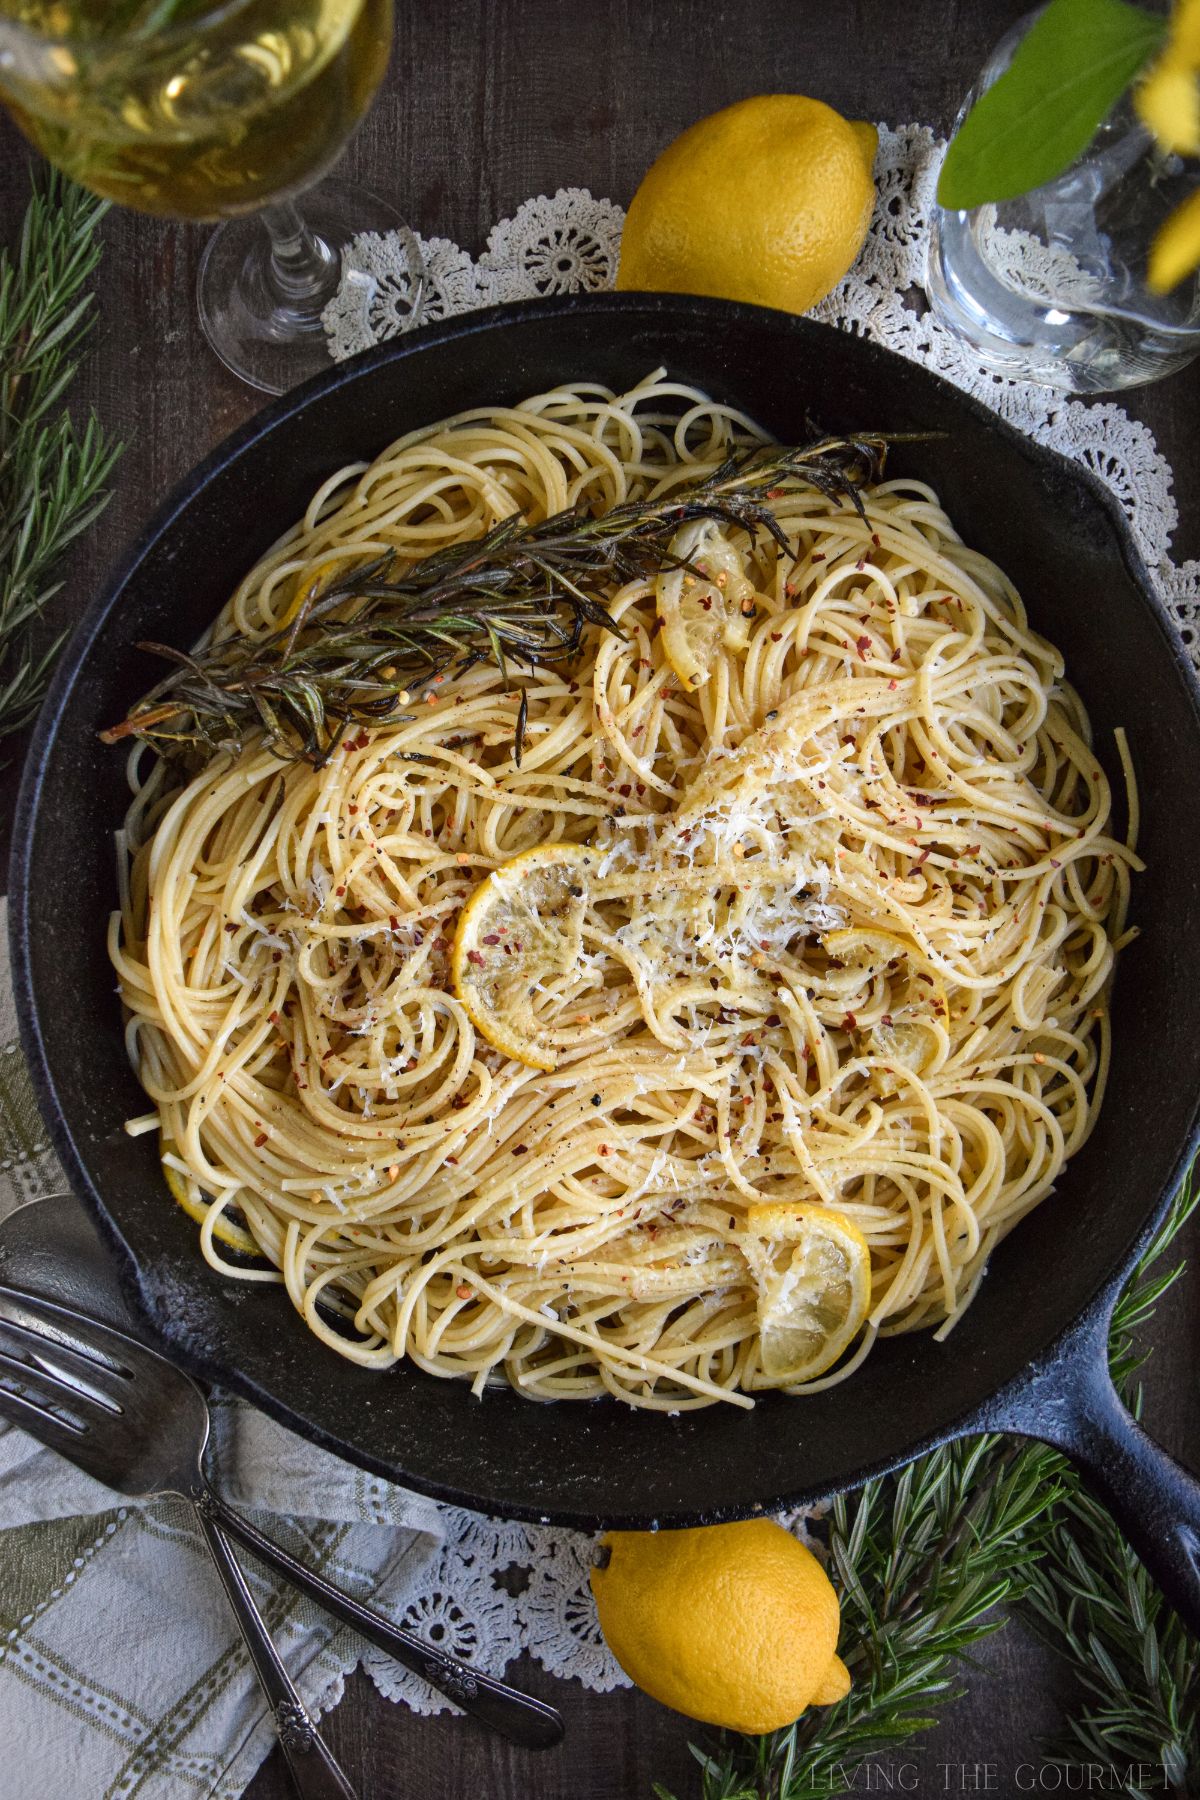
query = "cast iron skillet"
{"x": 1029, "y": 1355}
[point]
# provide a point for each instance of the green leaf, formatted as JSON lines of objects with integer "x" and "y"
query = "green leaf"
{"x": 1071, "y": 67}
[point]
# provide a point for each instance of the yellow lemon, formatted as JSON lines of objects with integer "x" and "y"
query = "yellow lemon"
{"x": 736, "y": 1625}
{"x": 768, "y": 201}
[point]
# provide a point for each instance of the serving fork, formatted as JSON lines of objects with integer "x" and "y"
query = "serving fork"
{"x": 135, "y": 1422}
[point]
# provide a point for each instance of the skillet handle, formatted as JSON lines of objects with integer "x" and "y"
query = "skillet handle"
{"x": 1154, "y": 1499}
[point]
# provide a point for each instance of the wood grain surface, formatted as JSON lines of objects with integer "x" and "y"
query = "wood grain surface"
{"x": 487, "y": 102}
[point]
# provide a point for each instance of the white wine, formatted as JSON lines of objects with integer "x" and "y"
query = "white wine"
{"x": 193, "y": 110}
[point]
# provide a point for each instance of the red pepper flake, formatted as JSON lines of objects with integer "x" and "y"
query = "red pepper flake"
{"x": 886, "y": 1019}
{"x": 893, "y": 685}
{"x": 260, "y": 1140}
{"x": 231, "y": 927}
{"x": 777, "y": 637}
{"x": 274, "y": 1017}
{"x": 491, "y": 937}
{"x": 920, "y": 860}
{"x": 339, "y": 892}
{"x": 393, "y": 921}
{"x": 521, "y": 1150}
{"x": 453, "y": 1159}
{"x": 862, "y": 645}
{"x": 861, "y": 563}
{"x": 352, "y": 809}
{"x": 362, "y": 740}
{"x": 463, "y": 1291}
{"x": 1055, "y": 865}
{"x": 604, "y": 1149}
{"x": 817, "y": 556}
{"x": 773, "y": 1019}
{"x": 875, "y": 539}
{"x": 473, "y": 956}
{"x": 664, "y": 693}
{"x": 625, "y": 789}
{"x": 896, "y": 654}
{"x": 849, "y": 1022}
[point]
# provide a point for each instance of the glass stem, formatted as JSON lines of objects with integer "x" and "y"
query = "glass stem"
{"x": 301, "y": 270}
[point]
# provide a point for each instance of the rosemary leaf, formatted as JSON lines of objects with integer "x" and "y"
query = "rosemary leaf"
{"x": 52, "y": 473}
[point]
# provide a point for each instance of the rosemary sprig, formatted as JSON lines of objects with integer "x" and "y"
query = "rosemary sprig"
{"x": 926, "y": 1562}
{"x": 524, "y": 592}
{"x": 52, "y": 474}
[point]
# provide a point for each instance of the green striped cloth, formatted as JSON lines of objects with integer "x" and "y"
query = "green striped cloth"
{"x": 121, "y": 1671}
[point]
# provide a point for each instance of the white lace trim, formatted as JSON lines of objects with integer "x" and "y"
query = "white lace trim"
{"x": 495, "y": 1589}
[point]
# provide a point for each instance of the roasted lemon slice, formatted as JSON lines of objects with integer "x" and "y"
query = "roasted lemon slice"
{"x": 812, "y": 1269}
{"x": 700, "y": 614}
{"x": 857, "y": 955}
{"x": 903, "y": 1041}
{"x": 517, "y": 944}
{"x": 196, "y": 1207}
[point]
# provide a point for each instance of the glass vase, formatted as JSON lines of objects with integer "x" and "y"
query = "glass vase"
{"x": 1051, "y": 287}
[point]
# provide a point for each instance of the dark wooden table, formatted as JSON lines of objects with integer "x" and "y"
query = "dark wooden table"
{"x": 489, "y": 101}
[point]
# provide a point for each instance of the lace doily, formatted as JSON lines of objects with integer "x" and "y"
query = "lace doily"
{"x": 571, "y": 242}
{"x": 495, "y": 1589}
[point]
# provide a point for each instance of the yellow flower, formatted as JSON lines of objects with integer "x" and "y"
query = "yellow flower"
{"x": 1175, "y": 251}
{"x": 1168, "y": 101}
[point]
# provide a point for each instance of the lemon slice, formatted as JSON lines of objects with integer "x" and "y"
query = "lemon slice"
{"x": 196, "y": 1207}
{"x": 903, "y": 1041}
{"x": 863, "y": 953}
{"x": 518, "y": 940}
{"x": 812, "y": 1269}
{"x": 702, "y": 614}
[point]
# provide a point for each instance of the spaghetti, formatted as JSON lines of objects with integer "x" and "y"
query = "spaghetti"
{"x": 839, "y": 939}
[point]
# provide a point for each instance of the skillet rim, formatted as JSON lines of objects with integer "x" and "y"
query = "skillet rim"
{"x": 1060, "y": 1350}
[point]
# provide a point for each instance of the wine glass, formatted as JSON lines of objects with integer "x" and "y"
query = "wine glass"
{"x": 218, "y": 109}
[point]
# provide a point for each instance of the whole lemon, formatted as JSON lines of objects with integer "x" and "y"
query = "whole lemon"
{"x": 768, "y": 200}
{"x": 733, "y": 1624}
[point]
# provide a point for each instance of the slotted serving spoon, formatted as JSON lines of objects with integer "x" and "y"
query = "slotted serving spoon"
{"x": 128, "y": 1417}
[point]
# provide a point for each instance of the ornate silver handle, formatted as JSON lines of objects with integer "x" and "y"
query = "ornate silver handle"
{"x": 313, "y": 1770}
{"x": 517, "y": 1716}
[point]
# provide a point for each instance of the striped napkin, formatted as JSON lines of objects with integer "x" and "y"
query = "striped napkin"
{"x": 121, "y": 1670}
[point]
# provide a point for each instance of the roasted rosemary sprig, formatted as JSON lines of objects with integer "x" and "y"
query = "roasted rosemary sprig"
{"x": 522, "y": 593}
